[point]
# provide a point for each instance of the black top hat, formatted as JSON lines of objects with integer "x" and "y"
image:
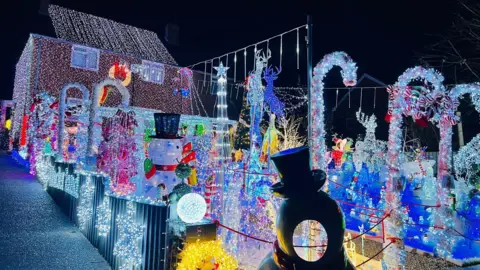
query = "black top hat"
{"x": 166, "y": 126}
{"x": 296, "y": 177}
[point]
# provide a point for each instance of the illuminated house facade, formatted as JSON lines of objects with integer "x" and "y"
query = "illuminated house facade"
{"x": 84, "y": 53}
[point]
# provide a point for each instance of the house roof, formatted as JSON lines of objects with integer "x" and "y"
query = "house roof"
{"x": 79, "y": 27}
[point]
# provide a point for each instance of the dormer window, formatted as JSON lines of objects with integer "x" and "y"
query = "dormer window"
{"x": 85, "y": 57}
{"x": 153, "y": 72}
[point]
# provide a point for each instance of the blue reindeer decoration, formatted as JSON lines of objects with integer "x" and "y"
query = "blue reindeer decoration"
{"x": 276, "y": 106}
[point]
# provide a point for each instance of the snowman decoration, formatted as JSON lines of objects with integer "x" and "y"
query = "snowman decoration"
{"x": 165, "y": 152}
{"x": 305, "y": 200}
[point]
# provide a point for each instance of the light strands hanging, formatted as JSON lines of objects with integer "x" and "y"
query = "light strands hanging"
{"x": 85, "y": 209}
{"x": 349, "y": 100}
{"x": 245, "y": 63}
{"x": 211, "y": 74}
{"x": 298, "y": 50}
{"x": 127, "y": 246}
{"x": 104, "y": 217}
{"x": 257, "y": 43}
{"x": 281, "y": 49}
{"x": 254, "y": 53}
{"x": 336, "y": 98}
{"x": 205, "y": 75}
{"x": 235, "y": 68}
{"x": 361, "y": 97}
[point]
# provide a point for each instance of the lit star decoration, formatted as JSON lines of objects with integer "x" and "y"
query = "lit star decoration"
{"x": 127, "y": 246}
{"x": 104, "y": 217}
{"x": 85, "y": 209}
{"x": 221, "y": 72}
{"x": 223, "y": 140}
{"x": 349, "y": 75}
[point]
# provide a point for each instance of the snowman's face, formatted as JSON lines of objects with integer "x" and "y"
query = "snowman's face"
{"x": 165, "y": 151}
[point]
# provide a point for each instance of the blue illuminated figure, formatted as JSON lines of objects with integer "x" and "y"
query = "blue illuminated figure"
{"x": 276, "y": 106}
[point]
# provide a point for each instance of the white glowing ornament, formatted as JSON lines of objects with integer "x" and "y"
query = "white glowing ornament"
{"x": 191, "y": 208}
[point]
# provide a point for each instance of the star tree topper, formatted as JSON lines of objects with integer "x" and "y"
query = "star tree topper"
{"x": 221, "y": 72}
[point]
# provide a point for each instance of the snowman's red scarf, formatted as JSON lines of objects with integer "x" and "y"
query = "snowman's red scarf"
{"x": 281, "y": 258}
{"x": 166, "y": 168}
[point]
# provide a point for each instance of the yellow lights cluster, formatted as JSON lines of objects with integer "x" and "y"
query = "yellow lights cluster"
{"x": 206, "y": 255}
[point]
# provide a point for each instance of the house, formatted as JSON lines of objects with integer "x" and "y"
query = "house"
{"x": 84, "y": 51}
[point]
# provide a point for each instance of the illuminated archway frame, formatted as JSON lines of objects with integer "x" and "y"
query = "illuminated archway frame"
{"x": 468, "y": 153}
{"x": 94, "y": 106}
{"x": 61, "y": 118}
{"x": 402, "y": 104}
{"x": 349, "y": 75}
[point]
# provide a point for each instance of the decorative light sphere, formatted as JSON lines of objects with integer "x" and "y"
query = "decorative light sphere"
{"x": 191, "y": 208}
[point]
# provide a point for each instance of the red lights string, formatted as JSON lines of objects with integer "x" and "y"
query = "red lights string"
{"x": 217, "y": 222}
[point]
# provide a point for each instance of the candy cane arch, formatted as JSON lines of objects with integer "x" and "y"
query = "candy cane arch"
{"x": 94, "y": 106}
{"x": 468, "y": 153}
{"x": 61, "y": 114}
{"x": 349, "y": 75}
{"x": 402, "y": 103}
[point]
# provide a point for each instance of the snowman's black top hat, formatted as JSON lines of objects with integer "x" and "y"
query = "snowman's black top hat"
{"x": 296, "y": 177}
{"x": 166, "y": 126}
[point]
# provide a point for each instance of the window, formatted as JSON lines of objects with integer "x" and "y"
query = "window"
{"x": 84, "y": 57}
{"x": 153, "y": 72}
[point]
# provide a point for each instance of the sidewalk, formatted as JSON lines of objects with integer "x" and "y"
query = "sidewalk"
{"x": 34, "y": 233}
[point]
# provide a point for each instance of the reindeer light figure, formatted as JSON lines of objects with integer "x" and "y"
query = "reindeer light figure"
{"x": 276, "y": 106}
{"x": 255, "y": 97}
{"x": 370, "y": 150}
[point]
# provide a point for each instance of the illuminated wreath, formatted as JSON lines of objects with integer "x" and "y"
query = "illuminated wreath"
{"x": 206, "y": 255}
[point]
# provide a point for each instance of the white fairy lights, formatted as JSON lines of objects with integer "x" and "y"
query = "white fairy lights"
{"x": 223, "y": 142}
{"x": 191, "y": 208}
{"x": 267, "y": 41}
{"x": 127, "y": 246}
{"x": 85, "y": 209}
{"x": 402, "y": 103}
{"x": 72, "y": 182}
{"x": 104, "y": 217}
{"x": 106, "y": 34}
{"x": 349, "y": 74}
{"x": 370, "y": 150}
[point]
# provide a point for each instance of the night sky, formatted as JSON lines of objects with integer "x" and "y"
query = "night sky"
{"x": 383, "y": 37}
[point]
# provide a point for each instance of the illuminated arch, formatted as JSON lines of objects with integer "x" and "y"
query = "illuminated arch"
{"x": 94, "y": 106}
{"x": 349, "y": 75}
{"x": 61, "y": 113}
